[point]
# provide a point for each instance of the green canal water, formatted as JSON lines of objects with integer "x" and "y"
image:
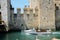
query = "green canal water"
{"x": 24, "y": 36}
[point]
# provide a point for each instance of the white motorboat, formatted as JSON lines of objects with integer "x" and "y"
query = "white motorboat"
{"x": 36, "y": 33}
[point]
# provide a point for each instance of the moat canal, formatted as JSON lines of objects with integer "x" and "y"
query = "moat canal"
{"x": 23, "y": 36}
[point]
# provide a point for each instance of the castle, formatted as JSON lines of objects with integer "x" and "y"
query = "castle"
{"x": 42, "y": 14}
{"x": 49, "y": 11}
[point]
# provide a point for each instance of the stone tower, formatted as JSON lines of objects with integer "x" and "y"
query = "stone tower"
{"x": 47, "y": 14}
{"x": 5, "y": 12}
{"x": 46, "y": 11}
{"x": 35, "y": 5}
{"x": 18, "y": 17}
{"x": 25, "y": 14}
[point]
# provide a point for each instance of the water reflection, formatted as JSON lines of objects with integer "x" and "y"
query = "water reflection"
{"x": 2, "y": 36}
{"x": 23, "y": 36}
{"x": 55, "y": 39}
{"x": 37, "y": 38}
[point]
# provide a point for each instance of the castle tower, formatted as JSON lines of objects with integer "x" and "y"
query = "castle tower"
{"x": 34, "y": 4}
{"x": 47, "y": 14}
{"x": 37, "y": 18}
{"x": 18, "y": 10}
{"x": 25, "y": 9}
{"x": 25, "y": 14}
{"x": 18, "y": 17}
{"x": 46, "y": 11}
{"x": 31, "y": 17}
{"x": 5, "y": 12}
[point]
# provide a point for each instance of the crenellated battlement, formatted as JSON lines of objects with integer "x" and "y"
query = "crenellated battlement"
{"x": 27, "y": 10}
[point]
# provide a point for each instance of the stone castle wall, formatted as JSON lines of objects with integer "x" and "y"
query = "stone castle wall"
{"x": 28, "y": 18}
{"x": 5, "y": 11}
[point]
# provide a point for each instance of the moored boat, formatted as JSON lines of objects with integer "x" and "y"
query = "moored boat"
{"x": 37, "y": 33}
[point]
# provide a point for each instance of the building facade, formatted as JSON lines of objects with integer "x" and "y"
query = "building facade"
{"x": 46, "y": 13}
{"x": 31, "y": 17}
{"x": 42, "y": 14}
{"x": 26, "y": 20}
{"x": 5, "y": 12}
{"x": 34, "y": 4}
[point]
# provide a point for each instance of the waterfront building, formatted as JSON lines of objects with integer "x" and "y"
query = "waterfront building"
{"x": 31, "y": 17}
{"x": 26, "y": 16}
{"x": 34, "y": 4}
{"x": 27, "y": 19}
{"x": 5, "y": 12}
{"x": 42, "y": 14}
{"x": 46, "y": 13}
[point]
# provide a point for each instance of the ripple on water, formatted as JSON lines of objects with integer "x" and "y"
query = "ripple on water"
{"x": 55, "y": 32}
{"x": 23, "y": 36}
{"x": 17, "y": 39}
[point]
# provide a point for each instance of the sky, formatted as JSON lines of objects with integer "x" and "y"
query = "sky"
{"x": 19, "y": 4}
